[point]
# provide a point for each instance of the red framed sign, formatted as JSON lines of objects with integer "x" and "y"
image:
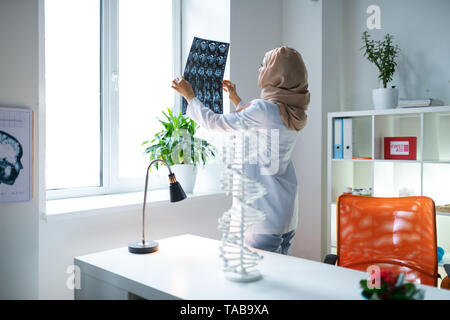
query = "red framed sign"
{"x": 400, "y": 148}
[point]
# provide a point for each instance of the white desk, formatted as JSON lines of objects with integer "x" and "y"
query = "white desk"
{"x": 189, "y": 267}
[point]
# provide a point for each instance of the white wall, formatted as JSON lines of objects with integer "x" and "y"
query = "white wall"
{"x": 302, "y": 30}
{"x": 19, "y": 88}
{"x": 333, "y": 75}
{"x": 332, "y": 86}
{"x": 420, "y": 28}
{"x": 255, "y": 28}
{"x": 63, "y": 238}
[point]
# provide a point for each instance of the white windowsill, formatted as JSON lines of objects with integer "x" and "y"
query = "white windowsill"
{"x": 87, "y": 206}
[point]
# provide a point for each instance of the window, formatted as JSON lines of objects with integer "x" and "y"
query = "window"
{"x": 108, "y": 65}
{"x": 72, "y": 94}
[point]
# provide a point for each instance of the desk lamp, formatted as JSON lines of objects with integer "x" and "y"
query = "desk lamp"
{"x": 176, "y": 194}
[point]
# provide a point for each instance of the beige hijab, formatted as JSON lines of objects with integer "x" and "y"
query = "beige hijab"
{"x": 284, "y": 81}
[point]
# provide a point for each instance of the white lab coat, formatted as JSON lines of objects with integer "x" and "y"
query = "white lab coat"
{"x": 280, "y": 203}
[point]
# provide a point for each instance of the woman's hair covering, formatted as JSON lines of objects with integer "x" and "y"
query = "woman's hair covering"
{"x": 284, "y": 81}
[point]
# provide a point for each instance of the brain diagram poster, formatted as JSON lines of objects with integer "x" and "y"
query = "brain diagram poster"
{"x": 15, "y": 155}
{"x": 204, "y": 70}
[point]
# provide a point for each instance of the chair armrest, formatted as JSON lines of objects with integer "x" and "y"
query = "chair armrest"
{"x": 332, "y": 258}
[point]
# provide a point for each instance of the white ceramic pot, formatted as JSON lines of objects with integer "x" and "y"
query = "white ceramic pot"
{"x": 385, "y": 98}
{"x": 186, "y": 175}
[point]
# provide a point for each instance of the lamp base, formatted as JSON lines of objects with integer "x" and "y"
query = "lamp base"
{"x": 140, "y": 248}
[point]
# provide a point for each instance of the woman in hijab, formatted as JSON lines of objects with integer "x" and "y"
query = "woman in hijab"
{"x": 281, "y": 114}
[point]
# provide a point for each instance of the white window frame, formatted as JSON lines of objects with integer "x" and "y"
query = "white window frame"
{"x": 109, "y": 106}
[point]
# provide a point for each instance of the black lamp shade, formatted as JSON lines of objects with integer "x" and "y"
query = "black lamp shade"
{"x": 176, "y": 191}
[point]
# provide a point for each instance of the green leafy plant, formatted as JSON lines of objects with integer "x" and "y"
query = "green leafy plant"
{"x": 176, "y": 142}
{"x": 392, "y": 287}
{"x": 383, "y": 54}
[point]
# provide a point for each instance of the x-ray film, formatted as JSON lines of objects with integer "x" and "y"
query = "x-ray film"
{"x": 204, "y": 70}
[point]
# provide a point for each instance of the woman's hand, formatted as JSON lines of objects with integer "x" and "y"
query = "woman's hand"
{"x": 230, "y": 88}
{"x": 184, "y": 88}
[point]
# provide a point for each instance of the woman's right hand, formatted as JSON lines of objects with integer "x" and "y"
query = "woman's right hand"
{"x": 230, "y": 88}
{"x": 183, "y": 87}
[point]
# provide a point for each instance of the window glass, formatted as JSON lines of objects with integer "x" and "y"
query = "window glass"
{"x": 145, "y": 74}
{"x": 72, "y": 75}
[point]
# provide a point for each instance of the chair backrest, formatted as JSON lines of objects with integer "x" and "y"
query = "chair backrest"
{"x": 396, "y": 234}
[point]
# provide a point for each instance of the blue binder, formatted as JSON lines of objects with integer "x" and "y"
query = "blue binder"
{"x": 338, "y": 145}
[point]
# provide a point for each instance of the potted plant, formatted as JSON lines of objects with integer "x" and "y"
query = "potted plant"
{"x": 392, "y": 287}
{"x": 177, "y": 145}
{"x": 383, "y": 54}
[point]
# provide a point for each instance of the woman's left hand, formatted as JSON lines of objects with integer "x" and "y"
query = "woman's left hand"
{"x": 183, "y": 87}
{"x": 230, "y": 88}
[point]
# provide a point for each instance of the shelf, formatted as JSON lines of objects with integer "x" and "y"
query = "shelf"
{"x": 396, "y": 126}
{"x": 389, "y": 160}
{"x": 362, "y": 137}
{"x": 445, "y": 260}
{"x": 333, "y": 249}
{"x": 397, "y": 111}
{"x": 440, "y": 213}
{"x": 394, "y": 179}
{"x": 397, "y": 161}
{"x": 428, "y": 175}
{"x": 354, "y": 174}
{"x": 443, "y": 234}
{"x": 436, "y": 182}
{"x": 333, "y": 225}
{"x": 436, "y": 162}
{"x": 352, "y": 160}
{"x": 436, "y": 136}
{"x": 392, "y": 160}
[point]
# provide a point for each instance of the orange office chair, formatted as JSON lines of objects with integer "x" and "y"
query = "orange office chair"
{"x": 396, "y": 234}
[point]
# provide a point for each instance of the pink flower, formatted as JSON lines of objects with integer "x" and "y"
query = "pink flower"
{"x": 388, "y": 278}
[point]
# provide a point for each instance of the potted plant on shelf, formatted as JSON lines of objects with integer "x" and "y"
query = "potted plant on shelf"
{"x": 383, "y": 54}
{"x": 177, "y": 145}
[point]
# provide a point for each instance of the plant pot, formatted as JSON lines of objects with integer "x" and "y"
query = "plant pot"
{"x": 186, "y": 175}
{"x": 385, "y": 98}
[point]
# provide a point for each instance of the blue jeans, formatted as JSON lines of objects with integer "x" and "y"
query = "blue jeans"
{"x": 278, "y": 243}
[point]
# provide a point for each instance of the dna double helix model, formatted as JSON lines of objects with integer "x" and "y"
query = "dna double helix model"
{"x": 239, "y": 261}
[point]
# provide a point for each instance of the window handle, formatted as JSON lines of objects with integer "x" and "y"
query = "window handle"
{"x": 115, "y": 81}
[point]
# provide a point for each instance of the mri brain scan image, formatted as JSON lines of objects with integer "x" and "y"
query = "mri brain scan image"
{"x": 220, "y": 60}
{"x": 10, "y": 158}
{"x": 204, "y": 70}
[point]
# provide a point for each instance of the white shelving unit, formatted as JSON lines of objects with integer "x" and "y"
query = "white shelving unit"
{"x": 429, "y": 175}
